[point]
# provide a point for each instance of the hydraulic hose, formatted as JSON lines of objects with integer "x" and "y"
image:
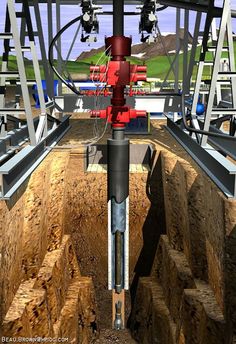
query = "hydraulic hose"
{"x": 161, "y": 8}
{"x": 50, "y": 59}
{"x": 203, "y": 132}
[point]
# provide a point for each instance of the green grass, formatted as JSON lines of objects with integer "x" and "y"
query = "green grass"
{"x": 157, "y": 66}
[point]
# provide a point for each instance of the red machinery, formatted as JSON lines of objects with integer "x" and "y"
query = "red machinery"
{"x": 118, "y": 73}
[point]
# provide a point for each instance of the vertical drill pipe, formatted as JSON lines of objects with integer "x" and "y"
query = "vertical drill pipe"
{"x": 118, "y": 192}
{"x": 118, "y": 17}
{"x": 118, "y": 178}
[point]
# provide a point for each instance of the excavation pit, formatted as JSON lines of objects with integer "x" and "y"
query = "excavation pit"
{"x": 182, "y": 239}
{"x": 86, "y": 217}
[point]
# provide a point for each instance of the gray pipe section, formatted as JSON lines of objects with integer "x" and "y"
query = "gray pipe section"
{"x": 118, "y": 216}
{"x": 118, "y": 133}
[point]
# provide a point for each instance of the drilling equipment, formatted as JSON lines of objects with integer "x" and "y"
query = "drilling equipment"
{"x": 118, "y": 73}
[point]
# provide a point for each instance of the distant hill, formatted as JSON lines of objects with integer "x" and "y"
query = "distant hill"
{"x": 87, "y": 54}
{"x": 145, "y": 51}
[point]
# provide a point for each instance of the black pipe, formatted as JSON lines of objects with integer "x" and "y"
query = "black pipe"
{"x": 118, "y": 167}
{"x": 50, "y": 54}
{"x": 118, "y": 17}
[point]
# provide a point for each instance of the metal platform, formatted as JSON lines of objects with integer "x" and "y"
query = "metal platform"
{"x": 141, "y": 157}
{"x": 17, "y": 169}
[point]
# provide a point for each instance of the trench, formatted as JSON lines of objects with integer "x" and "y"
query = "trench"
{"x": 182, "y": 283}
{"x": 86, "y": 221}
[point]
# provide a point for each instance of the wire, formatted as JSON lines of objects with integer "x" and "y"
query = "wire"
{"x": 97, "y": 137}
{"x": 103, "y": 54}
{"x": 96, "y": 99}
{"x": 161, "y": 8}
{"x": 72, "y": 87}
{"x": 198, "y": 131}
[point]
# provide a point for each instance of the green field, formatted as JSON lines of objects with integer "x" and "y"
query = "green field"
{"x": 157, "y": 66}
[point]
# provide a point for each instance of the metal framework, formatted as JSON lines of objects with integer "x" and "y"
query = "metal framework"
{"x": 18, "y": 125}
{"x": 202, "y": 136}
{"x": 218, "y": 111}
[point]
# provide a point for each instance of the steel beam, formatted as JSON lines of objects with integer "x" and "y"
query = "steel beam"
{"x": 224, "y": 146}
{"x": 216, "y": 11}
{"x": 76, "y": 2}
{"x": 21, "y": 68}
{"x": 176, "y": 64}
{"x": 59, "y": 53}
{"x": 221, "y": 171}
{"x": 185, "y": 50}
{"x": 16, "y": 170}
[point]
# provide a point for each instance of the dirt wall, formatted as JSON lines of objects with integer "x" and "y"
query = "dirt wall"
{"x": 42, "y": 291}
{"x": 190, "y": 295}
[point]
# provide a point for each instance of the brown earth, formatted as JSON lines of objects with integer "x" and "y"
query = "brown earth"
{"x": 172, "y": 200}
{"x": 182, "y": 250}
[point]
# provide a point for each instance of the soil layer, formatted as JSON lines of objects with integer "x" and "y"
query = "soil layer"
{"x": 182, "y": 250}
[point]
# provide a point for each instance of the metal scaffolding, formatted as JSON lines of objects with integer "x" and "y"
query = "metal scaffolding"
{"x": 200, "y": 135}
{"x": 24, "y": 146}
{"x": 210, "y": 137}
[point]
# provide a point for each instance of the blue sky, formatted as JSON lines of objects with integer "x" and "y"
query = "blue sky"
{"x": 166, "y": 20}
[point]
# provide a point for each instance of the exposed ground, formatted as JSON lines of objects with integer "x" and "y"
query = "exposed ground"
{"x": 182, "y": 283}
{"x": 146, "y": 216}
{"x": 89, "y": 230}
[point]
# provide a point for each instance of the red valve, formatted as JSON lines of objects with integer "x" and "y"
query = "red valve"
{"x": 100, "y": 69}
{"x": 118, "y": 73}
{"x": 98, "y": 77}
{"x": 134, "y": 77}
{"x": 118, "y": 114}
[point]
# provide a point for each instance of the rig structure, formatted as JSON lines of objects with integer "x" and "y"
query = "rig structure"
{"x": 200, "y": 132}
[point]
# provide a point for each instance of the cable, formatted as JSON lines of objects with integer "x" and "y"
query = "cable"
{"x": 98, "y": 63}
{"x": 50, "y": 58}
{"x": 161, "y": 8}
{"x": 109, "y": 13}
{"x": 96, "y": 99}
{"x": 98, "y": 137}
{"x": 72, "y": 87}
{"x": 68, "y": 76}
{"x": 198, "y": 131}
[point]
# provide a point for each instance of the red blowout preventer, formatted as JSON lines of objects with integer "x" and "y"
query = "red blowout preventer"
{"x": 118, "y": 73}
